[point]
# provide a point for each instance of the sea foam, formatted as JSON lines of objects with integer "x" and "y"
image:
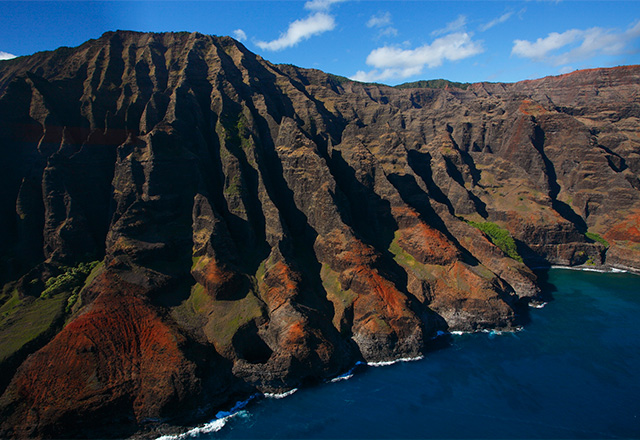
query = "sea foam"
{"x": 349, "y": 374}
{"x": 538, "y": 305}
{"x": 490, "y": 332}
{"x": 345, "y": 376}
{"x": 591, "y": 269}
{"x": 395, "y": 361}
{"x": 215, "y": 425}
{"x": 280, "y": 395}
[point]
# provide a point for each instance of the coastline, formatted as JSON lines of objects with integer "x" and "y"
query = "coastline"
{"x": 587, "y": 268}
{"x": 239, "y": 408}
{"x": 600, "y": 269}
{"x": 491, "y": 387}
{"x": 222, "y": 417}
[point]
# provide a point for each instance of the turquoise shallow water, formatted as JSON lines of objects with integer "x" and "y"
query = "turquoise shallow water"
{"x": 573, "y": 372}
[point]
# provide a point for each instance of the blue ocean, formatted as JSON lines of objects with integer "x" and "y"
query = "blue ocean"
{"x": 572, "y": 372}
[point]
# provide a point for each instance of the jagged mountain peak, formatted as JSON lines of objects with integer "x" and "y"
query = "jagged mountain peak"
{"x": 189, "y": 222}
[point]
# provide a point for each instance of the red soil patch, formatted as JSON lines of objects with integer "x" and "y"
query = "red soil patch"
{"x": 118, "y": 358}
{"x": 295, "y": 335}
{"x": 421, "y": 241}
{"x": 282, "y": 285}
{"x": 380, "y": 308}
{"x": 529, "y": 107}
{"x": 388, "y": 299}
{"x": 427, "y": 245}
{"x": 341, "y": 251}
{"x": 628, "y": 229}
{"x": 218, "y": 280}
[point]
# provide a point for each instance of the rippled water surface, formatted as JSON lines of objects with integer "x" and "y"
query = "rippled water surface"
{"x": 573, "y": 372}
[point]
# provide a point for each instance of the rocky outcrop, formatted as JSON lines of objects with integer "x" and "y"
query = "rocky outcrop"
{"x": 263, "y": 226}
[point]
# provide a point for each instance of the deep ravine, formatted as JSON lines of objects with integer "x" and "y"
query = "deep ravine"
{"x": 183, "y": 223}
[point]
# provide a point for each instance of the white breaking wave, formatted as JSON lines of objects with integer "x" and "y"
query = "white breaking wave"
{"x": 491, "y": 332}
{"x": 215, "y": 425}
{"x": 345, "y": 376}
{"x": 538, "y": 305}
{"x": 386, "y": 363}
{"x": 591, "y": 269}
{"x": 280, "y": 395}
{"x": 470, "y": 332}
{"x": 348, "y": 375}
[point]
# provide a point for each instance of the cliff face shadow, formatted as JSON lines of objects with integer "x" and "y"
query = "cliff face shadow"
{"x": 420, "y": 164}
{"x": 230, "y": 173}
{"x": 546, "y": 288}
{"x": 299, "y": 237}
{"x": 414, "y": 196}
{"x": 554, "y": 188}
{"x": 374, "y": 223}
{"x": 369, "y": 214}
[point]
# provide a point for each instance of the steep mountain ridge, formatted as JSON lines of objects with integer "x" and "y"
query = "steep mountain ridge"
{"x": 261, "y": 226}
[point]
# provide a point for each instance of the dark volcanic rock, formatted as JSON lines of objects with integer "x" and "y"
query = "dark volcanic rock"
{"x": 265, "y": 226}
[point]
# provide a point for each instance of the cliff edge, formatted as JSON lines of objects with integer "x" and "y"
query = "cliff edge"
{"x": 183, "y": 223}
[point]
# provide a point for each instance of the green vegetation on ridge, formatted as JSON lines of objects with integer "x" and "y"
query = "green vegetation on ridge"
{"x": 71, "y": 280}
{"x": 404, "y": 259}
{"x": 432, "y": 84}
{"x": 596, "y": 237}
{"x": 27, "y": 319}
{"x": 500, "y": 237}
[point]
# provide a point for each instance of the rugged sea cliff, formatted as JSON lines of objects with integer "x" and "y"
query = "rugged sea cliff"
{"x": 570, "y": 373}
{"x": 183, "y": 223}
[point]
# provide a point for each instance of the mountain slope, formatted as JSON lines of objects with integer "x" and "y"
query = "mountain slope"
{"x": 262, "y": 226}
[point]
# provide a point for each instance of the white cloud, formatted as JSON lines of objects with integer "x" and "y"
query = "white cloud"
{"x": 380, "y": 20}
{"x": 321, "y": 5}
{"x": 393, "y": 62}
{"x": 383, "y": 22}
{"x": 599, "y": 41}
{"x": 300, "y": 30}
{"x": 504, "y": 17}
{"x": 591, "y": 42}
{"x": 388, "y": 32}
{"x": 239, "y": 35}
{"x": 453, "y": 26}
{"x": 6, "y": 56}
{"x": 542, "y": 46}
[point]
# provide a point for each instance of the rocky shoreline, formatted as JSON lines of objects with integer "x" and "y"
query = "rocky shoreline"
{"x": 184, "y": 224}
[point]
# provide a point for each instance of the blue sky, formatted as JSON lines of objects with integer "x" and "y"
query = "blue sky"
{"x": 383, "y": 41}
